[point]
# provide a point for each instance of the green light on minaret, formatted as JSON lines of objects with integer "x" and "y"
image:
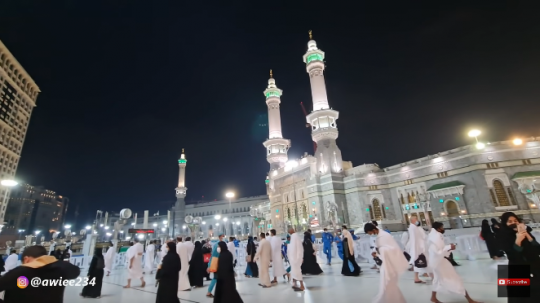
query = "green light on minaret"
{"x": 266, "y": 181}
{"x": 272, "y": 94}
{"x": 314, "y": 57}
{"x": 182, "y": 161}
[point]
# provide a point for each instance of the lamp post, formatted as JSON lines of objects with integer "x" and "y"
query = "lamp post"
{"x": 474, "y": 134}
{"x": 8, "y": 184}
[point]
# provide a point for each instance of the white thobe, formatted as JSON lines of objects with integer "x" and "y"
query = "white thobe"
{"x": 183, "y": 252}
{"x": 163, "y": 252}
{"x": 445, "y": 277}
{"x": 417, "y": 242}
{"x": 295, "y": 254}
{"x": 277, "y": 259}
{"x": 264, "y": 254}
{"x": 394, "y": 264}
{"x": 135, "y": 252}
{"x": 109, "y": 258}
{"x": 11, "y": 262}
{"x": 149, "y": 258}
{"x": 232, "y": 249}
{"x": 405, "y": 241}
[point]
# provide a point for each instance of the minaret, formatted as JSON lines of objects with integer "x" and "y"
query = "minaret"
{"x": 276, "y": 146}
{"x": 180, "y": 205}
{"x": 322, "y": 119}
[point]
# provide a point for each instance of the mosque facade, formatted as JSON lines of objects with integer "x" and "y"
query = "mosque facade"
{"x": 459, "y": 187}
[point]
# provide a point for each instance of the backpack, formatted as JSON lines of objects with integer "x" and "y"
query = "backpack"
{"x": 100, "y": 264}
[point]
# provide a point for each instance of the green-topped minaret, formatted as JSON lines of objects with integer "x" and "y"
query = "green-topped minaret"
{"x": 180, "y": 205}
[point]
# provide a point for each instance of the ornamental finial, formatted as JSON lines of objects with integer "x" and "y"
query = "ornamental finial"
{"x": 310, "y": 35}
{"x": 182, "y": 150}
{"x": 271, "y": 75}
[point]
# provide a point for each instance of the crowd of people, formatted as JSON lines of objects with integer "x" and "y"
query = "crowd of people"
{"x": 184, "y": 265}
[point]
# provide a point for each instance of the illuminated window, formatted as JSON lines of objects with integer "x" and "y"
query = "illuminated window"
{"x": 511, "y": 195}
{"x": 493, "y": 199}
{"x": 500, "y": 193}
{"x": 377, "y": 213}
{"x": 314, "y": 57}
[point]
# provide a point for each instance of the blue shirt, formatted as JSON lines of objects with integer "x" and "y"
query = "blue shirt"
{"x": 313, "y": 238}
{"x": 338, "y": 241}
{"x": 327, "y": 238}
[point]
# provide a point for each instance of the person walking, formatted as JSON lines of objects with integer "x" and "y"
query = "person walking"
{"x": 197, "y": 266}
{"x": 252, "y": 270}
{"x": 167, "y": 275}
{"x": 226, "y": 283}
{"x": 95, "y": 276}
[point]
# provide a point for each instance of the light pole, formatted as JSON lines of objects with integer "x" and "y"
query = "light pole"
{"x": 474, "y": 134}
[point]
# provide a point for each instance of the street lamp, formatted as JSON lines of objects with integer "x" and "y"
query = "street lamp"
{"x": 474, "y": 134}
{"x": 67, "y": 226}
{"x": 518, "y": 141}
{"x": 217, "y": 217}
{"x": 88, "y": 227}
{"x": 229, "y": 196}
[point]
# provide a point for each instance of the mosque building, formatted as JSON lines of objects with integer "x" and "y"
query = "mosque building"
{"x": 459, "y": 187}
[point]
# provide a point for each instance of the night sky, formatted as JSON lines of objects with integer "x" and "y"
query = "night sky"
{"x": 126, "y": 87}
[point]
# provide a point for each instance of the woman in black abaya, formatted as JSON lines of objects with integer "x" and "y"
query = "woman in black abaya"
{"x": 521, "y": 248}
{"x": 349, "y": 267}
{"x": 196, "y": 266}
{"x": 252, "y": 270}
{"x": 310, "y": 265}
{"x": 168, "y": 276}
{"x": 95, "y": 276}
{"x": 226, "y": 284}
{"x": 491, "y": 242}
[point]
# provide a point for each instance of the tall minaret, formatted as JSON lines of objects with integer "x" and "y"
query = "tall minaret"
{"x": 322, "y": 119}
{"x": 180, "y": 205}
{"x": 276, "y": 146}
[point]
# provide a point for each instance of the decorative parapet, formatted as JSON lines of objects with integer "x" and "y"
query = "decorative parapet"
{"x": 446, "y": 189}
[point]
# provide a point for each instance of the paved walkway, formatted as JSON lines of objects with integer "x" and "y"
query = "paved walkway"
{"x": 479, "y": 278}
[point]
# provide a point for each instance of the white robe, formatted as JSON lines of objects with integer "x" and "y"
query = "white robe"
{"x": 295, "y": 254}
{"x": 183, "y": 252}
{"x": 445, "y": 277}
{"x": 417, "y": 242}
{"x": 11, "y": 262}
{"x": 264, "y": 254}
{"x": 109, "y": 258}
{"x": 163, "y": 252}
{"x": 149, "y": 258}
{"x": 394, "y": 264}
{"x": 135, "y": 252}
{"x": 277, "y": 259}
{"x": 232, "y": 249}
{"x": 405, "y": 241}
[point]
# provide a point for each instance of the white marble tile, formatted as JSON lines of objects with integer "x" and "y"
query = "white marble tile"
{"x": 479, "y": 278}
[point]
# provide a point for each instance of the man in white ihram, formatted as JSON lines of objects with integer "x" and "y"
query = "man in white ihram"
{"x": 11, "y": 261}
{"x": 109, "y": 258}
{"x": 393, "y": 265}
{"x": 149, "y": 258}
{"x": 277, "y": 260}
{"x": 295, "y": 254}
{"x": 264, "y": 254}
{"x": 417, "y": 247}
{"x": 183, "y": 252}
{"x": 134, "y": 256}
{"x": 445, "y": 277}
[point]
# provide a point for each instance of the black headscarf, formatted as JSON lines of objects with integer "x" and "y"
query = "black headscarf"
{"x": 198, "y": 248}
{"x": 486, "y": 229}
{"x": 172, "y": 248}
{"x": 223, "y": 247}
{"x": 529, "y": 253}
{"x": 98, "y": 252}
{"x": 307, "y": 237}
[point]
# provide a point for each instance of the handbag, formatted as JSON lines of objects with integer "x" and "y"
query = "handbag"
{"x": 421, "y": 262}
{"x": 214, "y": 265}
{"x": 207, "y": 257}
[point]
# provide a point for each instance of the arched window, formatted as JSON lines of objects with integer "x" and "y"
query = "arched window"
{"x": 371, "y": 213}
{"x": 289, "y": 213}
{"x": 377, "y": 213}
{"x": 402, "y": 199}
{"x": 500, "y": 193}
{"x": 304, "y": 211}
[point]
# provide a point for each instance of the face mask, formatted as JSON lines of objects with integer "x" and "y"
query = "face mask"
{"x": 219, "y": 249}
{"x": 512, "y": 226}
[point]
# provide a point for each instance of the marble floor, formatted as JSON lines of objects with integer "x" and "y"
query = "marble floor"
{"x": 479, "y": 278}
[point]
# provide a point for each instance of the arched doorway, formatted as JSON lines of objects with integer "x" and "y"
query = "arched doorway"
{"x": 452, "y": 211}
